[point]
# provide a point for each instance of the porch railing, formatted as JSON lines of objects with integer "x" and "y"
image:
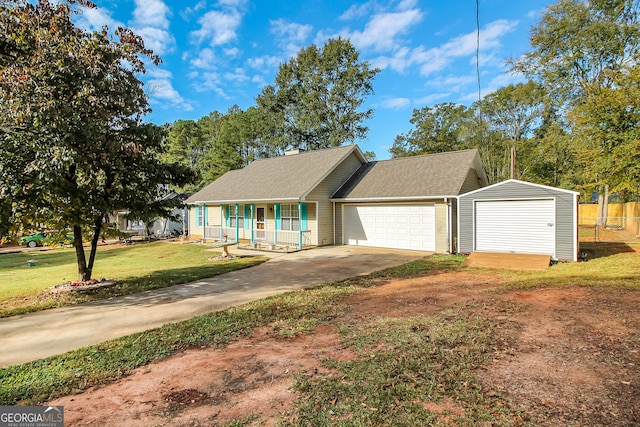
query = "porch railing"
{"x": 220, "y": 233}
{"x": 280, "y": 238}
{"x": 283, "y": 238}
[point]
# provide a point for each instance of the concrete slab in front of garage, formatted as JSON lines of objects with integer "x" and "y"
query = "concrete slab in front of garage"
{"x": 508, "y": 261}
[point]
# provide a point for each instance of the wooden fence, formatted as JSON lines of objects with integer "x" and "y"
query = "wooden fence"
{"x": 625, "y": 215}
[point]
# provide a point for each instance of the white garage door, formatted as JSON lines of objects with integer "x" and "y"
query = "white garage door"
{"x": 390, "y": 226}
{"x": 515, "y": 226}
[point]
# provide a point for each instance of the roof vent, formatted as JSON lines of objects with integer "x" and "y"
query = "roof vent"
{"x": 293, "y": 151}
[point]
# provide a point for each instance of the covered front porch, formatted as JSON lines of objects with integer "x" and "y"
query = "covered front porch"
{"x": 267, "y": 226}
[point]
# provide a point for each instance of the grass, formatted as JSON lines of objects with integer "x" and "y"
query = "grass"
{"x": 137, "y": 268}
{"x": 402, "y": 365}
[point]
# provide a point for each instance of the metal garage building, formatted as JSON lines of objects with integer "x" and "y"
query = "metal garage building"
{"x": 519, "y": 217}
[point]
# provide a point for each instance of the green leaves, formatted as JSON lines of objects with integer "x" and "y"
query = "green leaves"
{"x": 72, "y": 106}
{"x": 316, "y": 98}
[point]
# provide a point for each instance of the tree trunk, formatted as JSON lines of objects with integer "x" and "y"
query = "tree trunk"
{"x": 603, "y": 205}
{"x": 5, "y": 217}
{"x": 83, "y": 274}
{"x": 94, "y": 243}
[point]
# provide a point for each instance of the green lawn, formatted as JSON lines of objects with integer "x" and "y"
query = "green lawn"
{"x": 138, "y": 267}
{"x": 390, "y": 373}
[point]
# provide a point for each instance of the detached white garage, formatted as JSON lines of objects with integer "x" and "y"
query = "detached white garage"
{"x": 400, "y": 226}
{"x": 519, "y": 217}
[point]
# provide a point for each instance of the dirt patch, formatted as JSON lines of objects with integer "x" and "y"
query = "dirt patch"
{"x": 573, "y": 359}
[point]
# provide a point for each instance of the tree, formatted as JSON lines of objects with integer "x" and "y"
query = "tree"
{"x": 436, "y": 129}
{"x": 609, "y": 121}
{"x": 576, "y": 44}
{"x": 316, "y": 97}
{"x": 579, "y": 49}
{"x": 74, "y": 145}
{"x": 514, "y": 112}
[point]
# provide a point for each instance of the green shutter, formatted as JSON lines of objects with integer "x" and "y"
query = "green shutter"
{"x": 206, "y": 215}
{"x": 303, "y": 218}
{"x": 246, "y": 217}
{"x": 226, "y": 216}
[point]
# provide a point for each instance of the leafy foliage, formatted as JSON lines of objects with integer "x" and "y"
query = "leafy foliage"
{"x": 71, "y": 114}
{"x": 315, "y": 100}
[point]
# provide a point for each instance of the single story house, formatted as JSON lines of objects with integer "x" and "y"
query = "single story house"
{"x": 519, "y": 217}
{"x": 334, "y": 196}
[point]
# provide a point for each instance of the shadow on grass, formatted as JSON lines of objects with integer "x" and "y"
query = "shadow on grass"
{"x": 593, "y": 250}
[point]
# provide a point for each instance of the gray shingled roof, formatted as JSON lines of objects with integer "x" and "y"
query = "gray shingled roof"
{"x": 277, "y": 178}
{"x": 431, "y": 175}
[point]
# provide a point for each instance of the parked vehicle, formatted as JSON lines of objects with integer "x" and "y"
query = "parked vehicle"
{"x": 42, "y": 238}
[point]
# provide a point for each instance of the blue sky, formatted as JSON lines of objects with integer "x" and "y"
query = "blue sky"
{"x": 220, "y": 53}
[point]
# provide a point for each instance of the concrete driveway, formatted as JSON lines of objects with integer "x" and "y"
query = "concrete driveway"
{"x": 34, "y": 336}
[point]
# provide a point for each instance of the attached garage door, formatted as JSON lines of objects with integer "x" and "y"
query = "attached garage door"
{"x": 515, "y": 226}
{"x": 390, "y": 226}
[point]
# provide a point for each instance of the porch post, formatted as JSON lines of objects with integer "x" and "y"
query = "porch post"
{"x": 252, "y": 209}
{"x": 221, "y": 222}
{"x": 300, "y": 225}
{"x": 237, "y": 229}
{"x": 275, "y": 223}
{"x": 204, "y": 231}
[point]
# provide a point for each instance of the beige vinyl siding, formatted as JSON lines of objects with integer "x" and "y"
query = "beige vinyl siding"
{"x": 323, "y": 192}
{"x": 471, "y": 182}
{"x": 442, "y": 243}
{"x": 195, "y": 232}
{"x": 338, "y": 229}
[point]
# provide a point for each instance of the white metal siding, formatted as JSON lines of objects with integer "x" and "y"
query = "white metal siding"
{"x": 517, "y": 226}
{"x": 400, "y": 226}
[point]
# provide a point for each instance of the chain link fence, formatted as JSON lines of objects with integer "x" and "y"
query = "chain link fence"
{"x": 612, "y": 229}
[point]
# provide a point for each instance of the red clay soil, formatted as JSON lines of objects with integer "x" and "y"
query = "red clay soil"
{"x": 574, "y": 360}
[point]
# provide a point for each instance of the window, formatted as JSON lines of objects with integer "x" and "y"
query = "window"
{"x": 289, "y": 218}
{"x": 199, "y": 215}
{"x": 232, "y": 216}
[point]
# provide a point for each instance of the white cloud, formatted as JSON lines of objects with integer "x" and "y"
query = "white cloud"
{"x": 205, "y": 60}
{"x": 382, "y": 31}
{"x": 151, "y": 13}
{"x": 163, "y": 93}
{"x": 94, "y": 19}
{"x": 431, "y": 98}
{"x": 358, "y": 11}
{"x": 217, "y": 27}
{"x": 238, "y": 75}
{"x": 281, "y": 28}
{"x": 209, "y": 81}
{"x": 395, "y": 103}
{"x": 156, "y": 39}
{"x": 264, "y": 63}
{"x": 190, "y": 11}
{"x": 151, "y": 22}
{"x": 437, "y": 59}
{"x": 159, "y": 73}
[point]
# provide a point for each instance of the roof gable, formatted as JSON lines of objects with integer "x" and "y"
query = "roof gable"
{"x": 519, "y": 182}
{"x": 426, "y": 176}
{"x": 289, "y": 177}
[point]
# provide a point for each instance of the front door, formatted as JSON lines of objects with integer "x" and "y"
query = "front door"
{"x": 261, "y": 224}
